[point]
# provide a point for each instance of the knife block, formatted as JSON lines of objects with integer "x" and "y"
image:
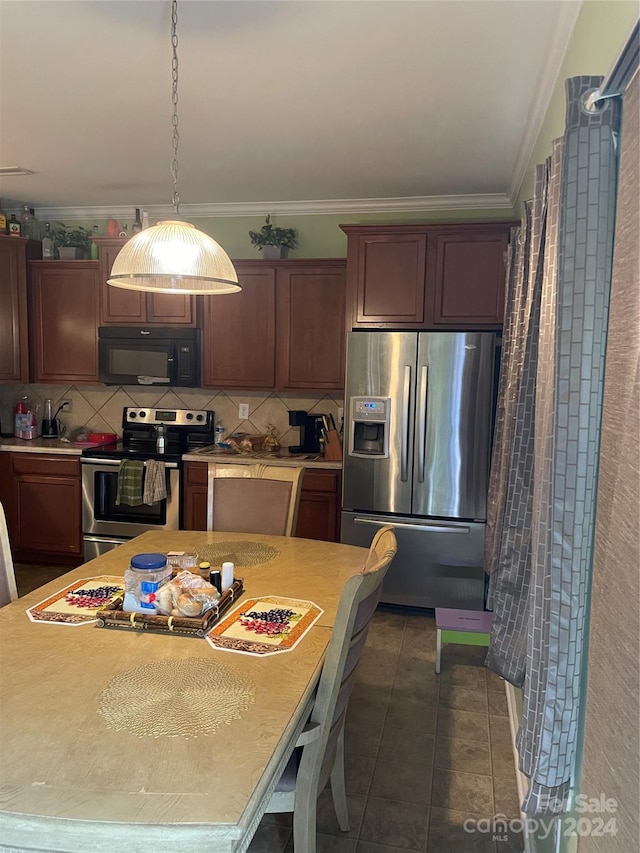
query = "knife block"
{"x": 333, "y": 447}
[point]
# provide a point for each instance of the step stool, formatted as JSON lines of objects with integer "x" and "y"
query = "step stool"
{"x": 464, "y": 627}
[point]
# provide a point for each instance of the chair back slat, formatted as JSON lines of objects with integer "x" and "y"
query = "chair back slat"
{"x": 253, "y": 498}
{"x": 358, "y": 602}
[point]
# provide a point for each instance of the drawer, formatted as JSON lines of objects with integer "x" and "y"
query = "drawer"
{"x": 314, "y": 480}
{"x": 35, "y": 463}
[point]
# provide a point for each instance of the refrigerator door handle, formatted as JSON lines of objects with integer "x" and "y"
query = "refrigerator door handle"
{"x": 431, "y": 528}
{"x": 404, "y": 450}
{"x": 422, "y": 423}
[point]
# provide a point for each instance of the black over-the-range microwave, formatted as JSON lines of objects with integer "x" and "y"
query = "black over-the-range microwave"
{"x": 148, "y": 356}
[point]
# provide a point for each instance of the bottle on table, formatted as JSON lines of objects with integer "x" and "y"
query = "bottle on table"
{"x": 227, "y": 576}
{"x": 137, "y": 222}
{"x": 145, "y": 220}
{"x": 48, "y": 243}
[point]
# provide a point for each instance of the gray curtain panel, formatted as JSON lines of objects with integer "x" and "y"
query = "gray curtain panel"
{"x": 539, "y": 555}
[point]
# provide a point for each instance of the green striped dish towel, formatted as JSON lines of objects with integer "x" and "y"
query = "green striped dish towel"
{"x": 130, "y": 477}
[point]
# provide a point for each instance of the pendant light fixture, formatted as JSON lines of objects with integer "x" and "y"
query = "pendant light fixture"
{"x": 173, "y": 256}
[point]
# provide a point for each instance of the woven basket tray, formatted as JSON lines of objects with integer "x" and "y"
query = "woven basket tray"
{"x": 112, "y": 616}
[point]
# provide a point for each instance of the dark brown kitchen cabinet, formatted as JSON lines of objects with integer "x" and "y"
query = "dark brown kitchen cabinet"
{"x": 64, "y": 320}
{"x": 284, "y": 330}
{"x": 319, "y": 512}
{"x": 318, "y": 515}
{"x": 467, "y": 277}
{"x": 426, "y": 276}
{"x": 194, "y": 496}
{"x": 45, "y": 516}
{"x": 238, "y": 339}
{"x": 388, "y": 272}
{"x": 14, "y": 350}
{"x": 120, "y": 307}
{"x": 310, "y": 320}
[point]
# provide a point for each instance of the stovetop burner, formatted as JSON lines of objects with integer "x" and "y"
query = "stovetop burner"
{"x": 185, "y": 430}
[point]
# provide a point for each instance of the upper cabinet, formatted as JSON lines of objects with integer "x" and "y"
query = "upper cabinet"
{"x": 238, "y": 340}
{"x": 120, "y": 307}
{"x": 284, "y": 330}
{"x": 64, "y": 321}
{"x": 426, "y": 276}
{"x": 14, "y": 353}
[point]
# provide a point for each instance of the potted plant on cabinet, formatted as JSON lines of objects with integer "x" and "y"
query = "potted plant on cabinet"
{"x": 272, "y": 241}
{"x": 72, "y": 243}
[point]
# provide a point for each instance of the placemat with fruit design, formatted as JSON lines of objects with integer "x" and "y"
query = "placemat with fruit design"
{"x": 265, "y": 625}
{"x": 78, "y": 603}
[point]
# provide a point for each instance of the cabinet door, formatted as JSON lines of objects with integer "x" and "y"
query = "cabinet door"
{"x": 14, "y": 366}
{"x": 118, "y": 307}
{"x": 239, "y": 333}
{"x": 390, "y": 271}
{"x": 310, "y": 339}
{"x": 65, "y": 320}
{"x": 169, "y": 309}
{"x": 319, "y": 511}
{"x": 121, "y": 307}
{"x": 46, "y": 511}
{"x": 468, "y": 278}
{"x": 194, "y": 496}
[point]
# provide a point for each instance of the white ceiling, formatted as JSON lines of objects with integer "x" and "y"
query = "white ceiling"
{"x": 312, "y": 104}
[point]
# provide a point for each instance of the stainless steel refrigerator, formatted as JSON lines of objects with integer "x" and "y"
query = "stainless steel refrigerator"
{"x": 418, "y": 418}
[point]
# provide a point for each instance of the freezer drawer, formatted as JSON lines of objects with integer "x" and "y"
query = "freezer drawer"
{"x": 438, "y": 564}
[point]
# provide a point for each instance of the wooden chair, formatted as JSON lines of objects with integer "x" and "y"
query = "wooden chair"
{"x": 8, "y": 590}
{"x": 253, "y": 498}
{"x": 321, "y": 753}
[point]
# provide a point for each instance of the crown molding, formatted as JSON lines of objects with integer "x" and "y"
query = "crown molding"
{"x": 480, "y": 201}
{"x": 545, "y": 88}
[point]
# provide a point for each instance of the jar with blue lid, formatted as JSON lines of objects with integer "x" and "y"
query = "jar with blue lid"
{"x": 142, "y": 580}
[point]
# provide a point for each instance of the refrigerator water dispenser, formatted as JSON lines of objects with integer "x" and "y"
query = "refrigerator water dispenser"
{"x": 370, "y": 427}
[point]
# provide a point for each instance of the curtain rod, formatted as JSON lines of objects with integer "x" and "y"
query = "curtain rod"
{"x": 620, "y": 74}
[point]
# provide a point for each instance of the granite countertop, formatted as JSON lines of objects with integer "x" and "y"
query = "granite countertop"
{"x": 40, "y": 445}
{"x": 281, "y": 457}
{"x": 289, "y": 460}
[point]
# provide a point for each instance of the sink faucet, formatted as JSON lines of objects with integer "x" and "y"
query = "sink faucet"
{"x": 161, "y": 438}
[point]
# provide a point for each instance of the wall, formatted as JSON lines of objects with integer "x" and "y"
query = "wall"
{"x": 99, "y": 407}
{"x": 601, "y": 30}
{"x": 319, "y": 236}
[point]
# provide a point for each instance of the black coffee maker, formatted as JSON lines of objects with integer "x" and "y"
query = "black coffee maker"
{"x": 309, "y": 431}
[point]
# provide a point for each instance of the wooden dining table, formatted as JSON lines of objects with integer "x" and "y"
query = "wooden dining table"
{"x": 213, "y": 728}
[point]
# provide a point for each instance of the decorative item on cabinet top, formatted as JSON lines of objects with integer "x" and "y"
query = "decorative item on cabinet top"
{"x": 274, "y": 242}
{"x": 72, "y": 243}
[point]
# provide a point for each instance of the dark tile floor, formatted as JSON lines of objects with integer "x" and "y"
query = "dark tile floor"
{"x": 425, "y": 752}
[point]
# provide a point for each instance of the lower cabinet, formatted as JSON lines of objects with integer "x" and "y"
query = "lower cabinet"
{"x": 44, "y": 507}
{"x": 318, "y": 516}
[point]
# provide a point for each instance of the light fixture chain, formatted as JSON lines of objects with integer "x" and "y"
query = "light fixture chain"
{"x": 174, "y": 98}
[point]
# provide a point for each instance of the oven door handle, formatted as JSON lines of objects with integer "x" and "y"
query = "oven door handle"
{"x": 115, "y": 463}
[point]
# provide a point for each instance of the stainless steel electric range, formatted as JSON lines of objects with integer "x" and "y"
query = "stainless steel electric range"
{"x": 147, "y": 433}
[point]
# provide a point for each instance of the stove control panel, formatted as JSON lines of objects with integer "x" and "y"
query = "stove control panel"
{"x": 171, "y": 417}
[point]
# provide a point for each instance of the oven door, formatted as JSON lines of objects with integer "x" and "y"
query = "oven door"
{"x": 101, "y": 515}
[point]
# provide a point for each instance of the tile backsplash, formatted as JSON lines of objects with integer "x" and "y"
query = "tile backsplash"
{"x": 99, "y": 407}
